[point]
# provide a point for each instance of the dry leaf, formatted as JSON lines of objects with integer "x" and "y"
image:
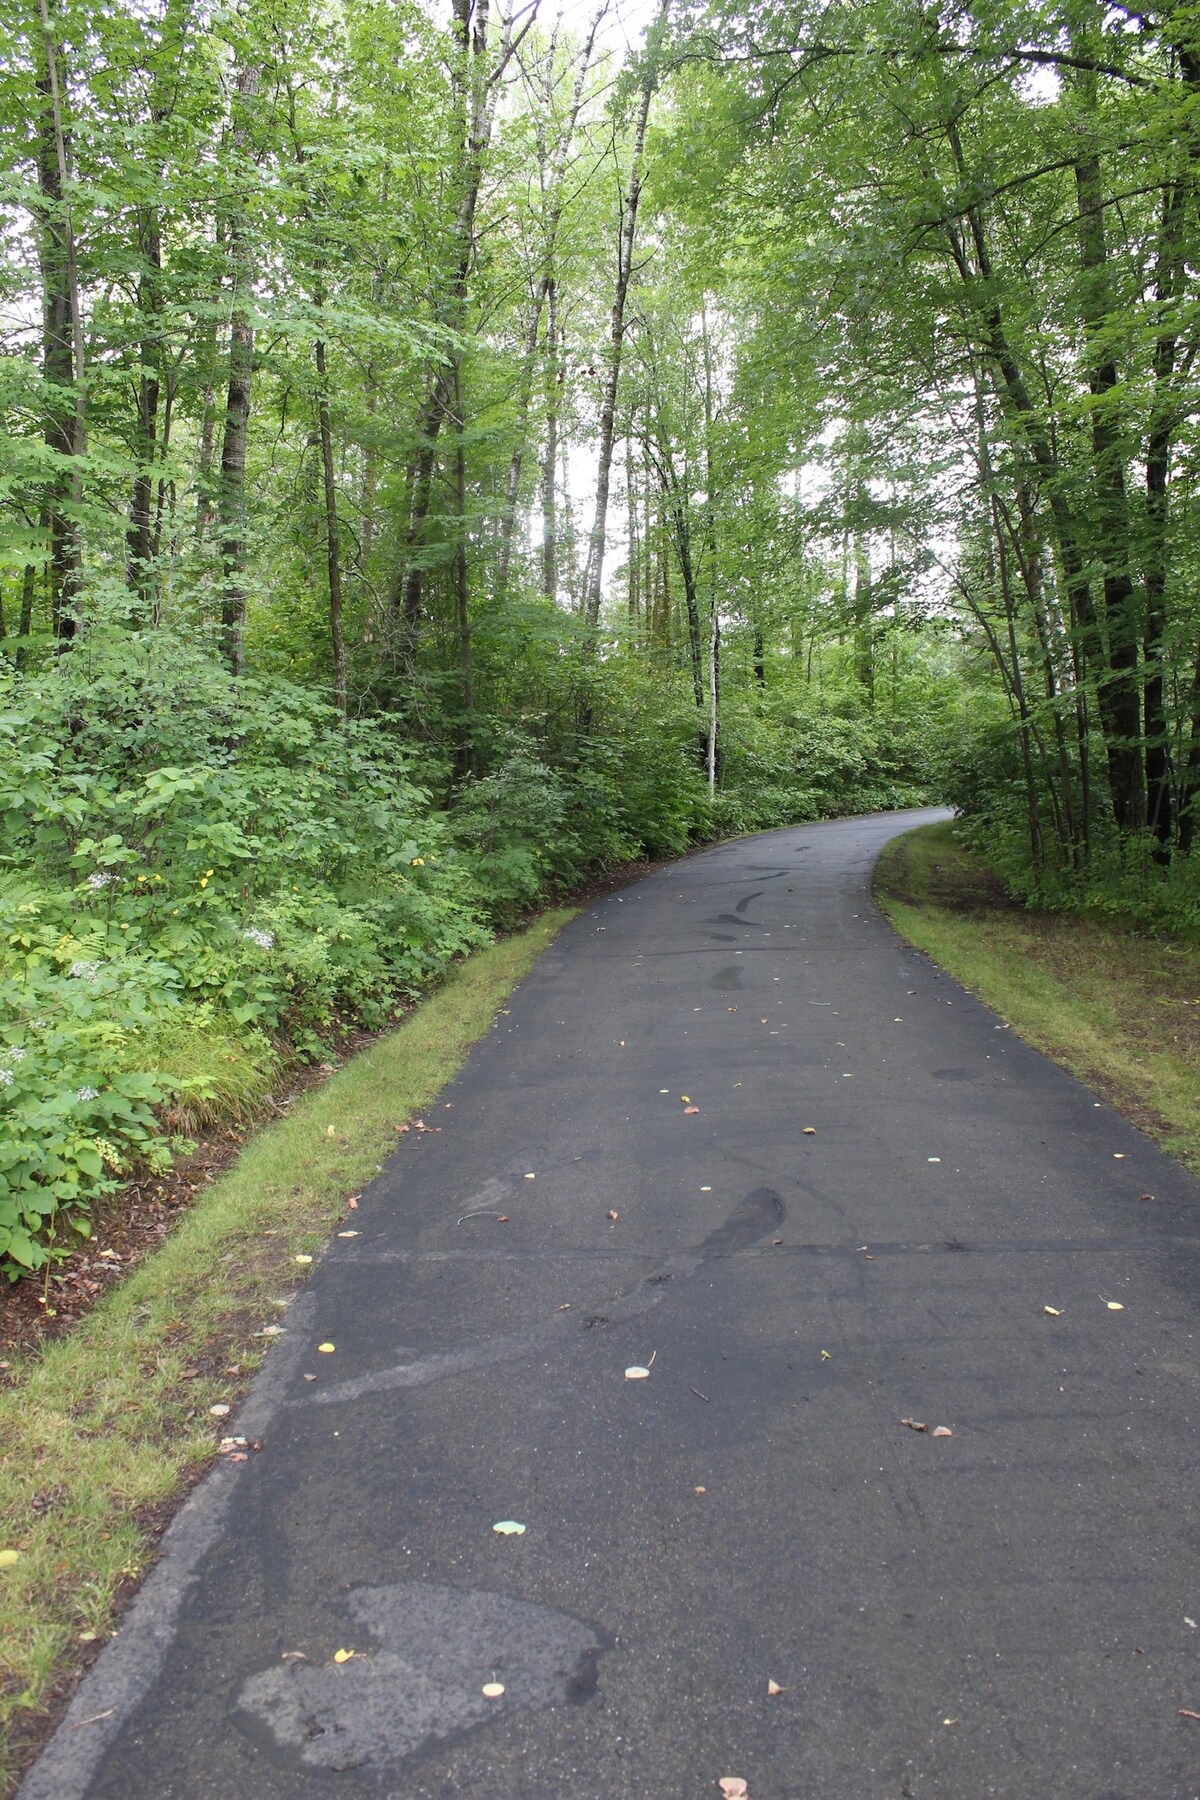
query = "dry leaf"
{"x": 342, "y": 1656}
{"x": 353, "y": 1204}
{"x": 492, "y": 1690}
{"x": 502, "y": 1218}
{"x": 636, "y": 1373}
{"x": 304, "y": 1259}
{"x": 810, "y": 1131}
{"x": 685, "y": 1098}
{"x": 1055, "y": 1312}
{"x": 509, "y": 1528}
{"x": 1114, "y": 1306}
{"x": 613, "y": 1215}
{"x": 699, "y": 1490}
{"x": 825, "y": 1356}
{"x": 347, "y": 1234}
{"x": 690, "y": 1109}
{"x": 941, "y": 1431}
{"x": 914, "y": 1424}
{"x": 327, "y": 1349}
{"x": 773, "y": 1688}
{"x": 733, "y": 1787}
{"x": 219, "y": 1412}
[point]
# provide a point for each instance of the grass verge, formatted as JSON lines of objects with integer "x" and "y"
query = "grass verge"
{"x": 104, "y": 1430}
{"x": 1121, "y": 1012}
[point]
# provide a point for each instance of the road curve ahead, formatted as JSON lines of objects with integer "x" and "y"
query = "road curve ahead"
{"x": 730, "y": 1131}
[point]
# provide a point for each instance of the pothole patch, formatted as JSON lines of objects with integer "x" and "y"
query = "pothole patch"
{"x": 423, "y": 1655}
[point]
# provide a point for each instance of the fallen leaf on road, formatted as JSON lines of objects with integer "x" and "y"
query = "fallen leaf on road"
{"x": 310, "y": 1378}
{"x": 685, "y": 1098}
{"x": 699, "y": 1490}
{"x": 733, "y": 1787}
{"x": 914, "y": 1424}
{"x": 1055, "y": 1312}
{"x": 949, "y": 1721}
{"x": 342, "y": 1656}
{"x": 1114, "y": 1306}
{"x": 565, "y": 1307}
{"x": 941, "y": 1431}
{"x": 825, "y": 1356}
{"x": 326, "y": 1349}
{"x": 509, "y": 1528}
{"x": 492, "y": 1690}
{"x": 613, "y": 1215}
{"x": 352, "y": 1204}
{"x": 810, "y": 1131}
{"x": 690, "y": 1109}
{"x": 635, "y": 1372}
{"x": 347, "y": 1234}
{"x": 774, "y": 1688}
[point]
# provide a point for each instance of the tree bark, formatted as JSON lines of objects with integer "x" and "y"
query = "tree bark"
{"x": 231, "y": 487}
{"x": 333, "y": 561}
{"x": 616, "y": 335}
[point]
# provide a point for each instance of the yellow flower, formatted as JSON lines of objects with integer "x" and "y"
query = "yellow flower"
{"x": 204, "y": 882}
{"x": 418, "y": 862}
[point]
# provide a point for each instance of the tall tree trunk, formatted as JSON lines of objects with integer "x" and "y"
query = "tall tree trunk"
{"x": 1120, "y": 682}
{"x": 555, "y": 377}
{"x": 333, "y": 560}
{"x": 231, "y": 488}
{"x": 616, "y": 335}
{"x": 62, "y": 337}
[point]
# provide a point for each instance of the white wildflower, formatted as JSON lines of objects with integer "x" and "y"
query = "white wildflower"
{"x": 98, "y": 881}
{"x": 84, "y": 971}
{"x": 264, "y": 939}
{"x": 6, "y": 1076}
{"x": 16, "y": 1053}
{"x": 87, "y": 1093}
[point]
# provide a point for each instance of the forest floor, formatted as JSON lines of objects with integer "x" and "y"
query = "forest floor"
{"x": 1118, "y": 1009}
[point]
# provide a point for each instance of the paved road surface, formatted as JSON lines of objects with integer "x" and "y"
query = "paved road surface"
{"x": 1007, "y": 1611}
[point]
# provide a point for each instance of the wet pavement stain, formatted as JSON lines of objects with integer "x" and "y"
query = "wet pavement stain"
{"x": 433, "y": 1650}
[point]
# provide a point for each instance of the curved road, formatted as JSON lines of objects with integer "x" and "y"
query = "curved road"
{"x": 1011, "y": 1610}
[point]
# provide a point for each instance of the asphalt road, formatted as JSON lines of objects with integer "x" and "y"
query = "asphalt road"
{"x": 1011, "y": 1610}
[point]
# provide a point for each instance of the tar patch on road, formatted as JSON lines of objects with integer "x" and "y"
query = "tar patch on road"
{"x": 420, "y": 1678}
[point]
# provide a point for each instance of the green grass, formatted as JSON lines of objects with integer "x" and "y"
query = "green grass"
{"x": 1119, "y": 1010}
{"x": 104, "y": 1429}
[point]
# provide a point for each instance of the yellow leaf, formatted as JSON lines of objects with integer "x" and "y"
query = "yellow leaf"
{"x": 304, "y": 1259}
{"x": 509, "y": 1528}
{"x": 636, "y": 1373}
{"x": 685, "y": 1098}
{"x": 8, "y": 1558}
{"x": 810, "y": 1131}
{"x": 329, "y": 1131}
{"x": 492, "y": 1690}
{"x": 327, "y": 1348}
{"x": 1114, "y": 1306}
{"x": 825, "y": 1356}
{"x": 340, "y": 1656}
{"x": 774, "y": 1688}
{"x": 1055, "y": 1312}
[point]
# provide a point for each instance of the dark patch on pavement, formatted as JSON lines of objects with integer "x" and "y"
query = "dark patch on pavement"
{"x": 420, "y": 1678}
